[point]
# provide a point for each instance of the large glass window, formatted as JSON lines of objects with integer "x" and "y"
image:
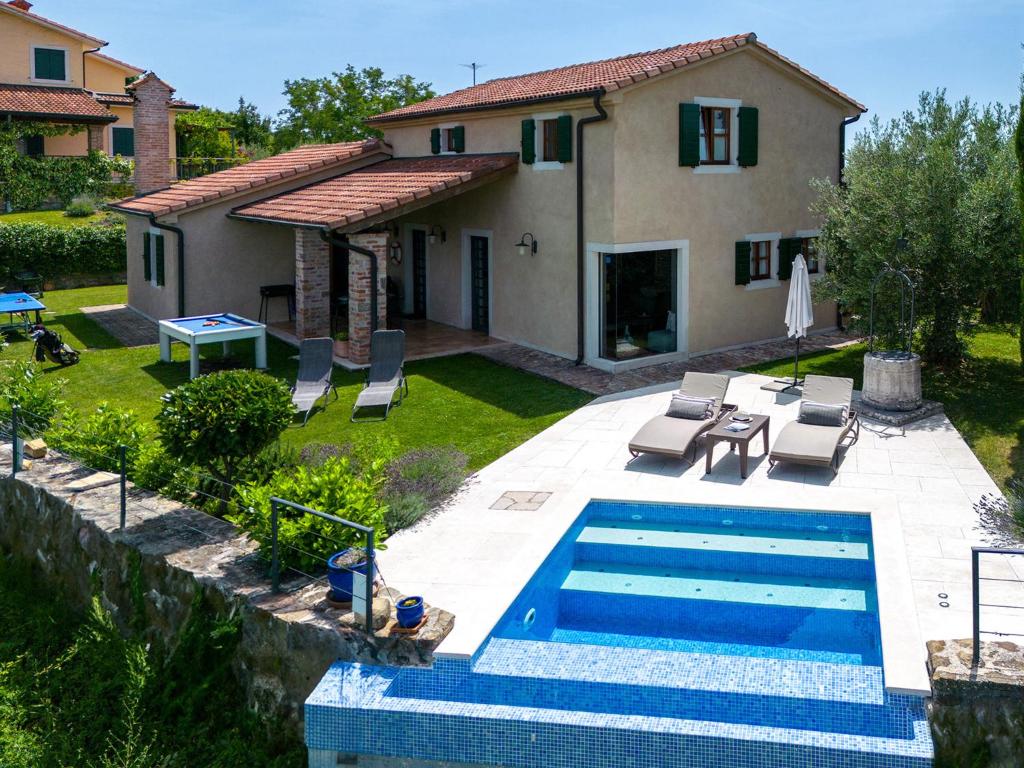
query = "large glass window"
{"x": 714, "y": 136}
{"x": 638, "y": 306}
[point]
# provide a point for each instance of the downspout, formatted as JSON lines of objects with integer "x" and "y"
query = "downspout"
{"x": 580, "y": 244}
{"x": 181, "y": 259}
{"x": 842, "y": 183}
{"x": 84, "y": 54}
{"x": 331, "y": 239}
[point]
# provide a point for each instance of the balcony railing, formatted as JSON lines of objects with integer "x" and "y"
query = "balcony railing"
{"x": 186, "y": 168}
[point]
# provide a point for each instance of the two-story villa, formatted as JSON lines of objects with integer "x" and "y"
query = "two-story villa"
{"x": 623, "y": 212}
{"x": 50, "y": 73}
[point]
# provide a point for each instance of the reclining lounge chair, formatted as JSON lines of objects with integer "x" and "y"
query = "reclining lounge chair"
{"x": 385, "y": 377}
{"x": 825, "y": 424}
{"x": 316, "y": 364}
{"x": 674, "y": 436}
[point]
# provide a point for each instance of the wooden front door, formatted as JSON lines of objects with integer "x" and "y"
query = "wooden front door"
{"x": 419, "y": 273}
{"x": 480, "y": 298}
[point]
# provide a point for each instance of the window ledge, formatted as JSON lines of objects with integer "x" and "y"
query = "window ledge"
{"x": 756, "y": 285}
{"x": 702, "y": 169}
{"x": 548, "y": 165}
{"x": 44, "y": 81}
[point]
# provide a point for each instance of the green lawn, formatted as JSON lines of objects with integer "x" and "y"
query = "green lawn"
{"x": 985, "y": 401}
{"x": 53, "y": 218}
{"x": 481, "y": 408}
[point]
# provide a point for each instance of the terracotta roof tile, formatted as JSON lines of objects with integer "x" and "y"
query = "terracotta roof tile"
{"x": 57, "y": 104}
{"x": 120, "y": 99}
{"x": 258, "y": 173}
{"x": 386, "y": 186}
{"x": 578, "y": 79}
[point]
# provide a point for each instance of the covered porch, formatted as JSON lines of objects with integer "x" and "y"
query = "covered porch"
{"x": 347, "y": 234}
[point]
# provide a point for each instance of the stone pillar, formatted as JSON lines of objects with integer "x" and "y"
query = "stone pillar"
{"x": 98, "y": 138}
{"x": 359, "y": 289}
{"x": 152, "y": 134}
{"x": 312, "y": 285}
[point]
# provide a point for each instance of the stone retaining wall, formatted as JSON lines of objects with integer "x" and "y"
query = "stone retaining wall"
{"x": 148, "y": 575}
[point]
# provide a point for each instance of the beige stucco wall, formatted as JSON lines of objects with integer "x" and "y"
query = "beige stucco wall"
{"x": 17, "y": 36}
{"x": 105, "y": 76}
{"x": 635, "y": 191}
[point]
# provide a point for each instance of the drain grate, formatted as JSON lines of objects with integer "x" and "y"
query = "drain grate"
{"x": 521, "y": 501}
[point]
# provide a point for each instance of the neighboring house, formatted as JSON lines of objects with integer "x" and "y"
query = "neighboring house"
{"x": 624, "y": 212}
{"x": 54, "y": 74}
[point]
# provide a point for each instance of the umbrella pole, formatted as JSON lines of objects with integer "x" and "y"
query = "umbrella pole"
{"x": 796, "y": 363}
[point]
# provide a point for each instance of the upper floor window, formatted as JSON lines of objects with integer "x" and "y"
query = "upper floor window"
{"x": 549, "y": 140}
{"x": 448, "y": 139}
{"x": 809, "y": 249}
{"x": 761, "y": 260}
{"x": 49, "y": 64}
{"x": 715, "y": 124}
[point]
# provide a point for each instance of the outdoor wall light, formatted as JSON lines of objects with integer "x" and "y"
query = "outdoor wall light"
{"x": 436, "y": 232}
{"x": 522, "y": 245}
{"x": 396, "y": 251}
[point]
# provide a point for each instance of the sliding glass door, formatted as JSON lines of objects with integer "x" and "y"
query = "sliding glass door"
{"x": 638, "y": 304}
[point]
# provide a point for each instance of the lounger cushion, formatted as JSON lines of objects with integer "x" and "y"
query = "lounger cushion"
{"x": 683, "y": 407}
{"x": 822, "y": 414}
{"x": 807, "y": 443}
{"x": 668, "y": 436}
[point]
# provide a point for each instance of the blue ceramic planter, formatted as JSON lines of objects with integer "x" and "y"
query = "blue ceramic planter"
{"x": 410, "y": 611}
{"x": 340, "y": 578}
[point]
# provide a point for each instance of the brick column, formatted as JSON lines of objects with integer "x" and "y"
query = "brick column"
{"x": 152, "y": 139}
{"x": 98, "y": 138}
{"x": 359, "y": 293}
{"x": 312, "y": 285}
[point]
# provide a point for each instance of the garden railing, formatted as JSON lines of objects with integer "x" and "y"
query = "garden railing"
{"x": 976, "y": 579}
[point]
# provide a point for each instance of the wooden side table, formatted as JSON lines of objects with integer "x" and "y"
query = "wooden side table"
{"x": 758, "y": 423}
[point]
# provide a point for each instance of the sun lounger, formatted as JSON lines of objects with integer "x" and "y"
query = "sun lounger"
{"x": 674, "y": 437}
{"x": 316, "y": 364}
{"x": 385, "y": 377}
{"x": 816, "y": 444}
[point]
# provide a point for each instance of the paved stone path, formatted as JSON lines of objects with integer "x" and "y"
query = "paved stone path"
{"x": 599, "y": 382}
{"x": 124, "y": 324}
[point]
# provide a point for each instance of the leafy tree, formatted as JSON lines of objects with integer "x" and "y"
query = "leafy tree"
{"x": 224, "y": 419}
{"x": 941, "y": 177}
{"x": 1019, "y": 141}
{"x": 331, "y": 109}
{"x": 206, "y": 132}
{"x": 252, "y": 130}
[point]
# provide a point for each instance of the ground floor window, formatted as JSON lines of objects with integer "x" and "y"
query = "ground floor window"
{"x": 638, "y": 304}
{"x": 761, "y": 260}
{"x": 809, "y": 249}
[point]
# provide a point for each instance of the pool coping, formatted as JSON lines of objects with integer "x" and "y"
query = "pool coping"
{"x": 903, "y": 649}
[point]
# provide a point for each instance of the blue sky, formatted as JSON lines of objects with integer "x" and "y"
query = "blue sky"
{"x": 882, "y": 53}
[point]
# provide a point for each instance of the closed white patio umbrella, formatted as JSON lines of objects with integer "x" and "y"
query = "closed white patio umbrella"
{"x": 799, "y": 310}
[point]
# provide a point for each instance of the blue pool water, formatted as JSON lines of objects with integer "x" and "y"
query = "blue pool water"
{"x": 656, "y": 635}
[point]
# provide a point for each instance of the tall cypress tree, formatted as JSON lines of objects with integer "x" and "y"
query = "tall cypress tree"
{"x": 1019, "y": 139}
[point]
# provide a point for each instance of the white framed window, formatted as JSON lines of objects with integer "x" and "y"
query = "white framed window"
{"x": 719, "y": 134}
{"x": 448, "y": 138}
{"x": 764, "y": 260}
{"x": 50, "y": 64}
{"x": 156, "y": 256}
{"x": 814, "y": 258}
{"x": 546, "y": 142}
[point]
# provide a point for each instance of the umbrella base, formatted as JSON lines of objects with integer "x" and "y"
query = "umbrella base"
{"x": 782, "y": 385}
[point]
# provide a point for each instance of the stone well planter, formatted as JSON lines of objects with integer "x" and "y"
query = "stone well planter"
{"x": 892, "y": 381}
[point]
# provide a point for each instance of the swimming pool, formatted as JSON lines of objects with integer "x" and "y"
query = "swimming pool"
{"x": 656, "y": 634}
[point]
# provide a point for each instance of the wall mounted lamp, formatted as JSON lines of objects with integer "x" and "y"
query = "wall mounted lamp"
{"x": 435, "y": 233}
{"x": 522, "y": 245}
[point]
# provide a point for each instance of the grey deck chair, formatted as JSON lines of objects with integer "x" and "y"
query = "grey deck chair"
{"x": 385, "y": 377}
{"x": 813, "y": 444}
{"x": 316, "y": 364}
{"x": 669, "y": 436}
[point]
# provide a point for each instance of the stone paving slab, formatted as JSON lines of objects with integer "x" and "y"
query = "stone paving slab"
{"x": 124, "y": 324}
{"x": 598, "y": 382}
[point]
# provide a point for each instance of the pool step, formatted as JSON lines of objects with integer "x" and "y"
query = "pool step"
{"x": 797, "y": 553}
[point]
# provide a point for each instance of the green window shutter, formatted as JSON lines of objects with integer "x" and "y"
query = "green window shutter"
{"x": 35, "y": 146}
{"x": 459, "y": 138}
{"x": 689, "y": 135}
{"x": 748, "y": 136}
{"x": 565, "y": 139}
{"x": 529, "y": 148}
{"x": 123, "y": 141}
{"x": 160, "y": 274}
{"x": 435, "y": 141}
{"x": 789, "y": 247}
{"x": 147, "y": 265}
{"x": 742, "y": 262}
{"x": 50, "y": 64}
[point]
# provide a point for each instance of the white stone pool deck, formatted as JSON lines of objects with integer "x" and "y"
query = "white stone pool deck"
{"x": 919, "y": 485}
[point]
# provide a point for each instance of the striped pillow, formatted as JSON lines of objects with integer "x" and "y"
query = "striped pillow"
{"x": 822, "y": 414}
{"x": 686, "y": 407}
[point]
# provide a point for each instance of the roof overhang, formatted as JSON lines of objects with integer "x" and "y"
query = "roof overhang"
{"x": 44, "y": 22}
{"x": 52, "y": 104}
{"x": 57, "y": 117}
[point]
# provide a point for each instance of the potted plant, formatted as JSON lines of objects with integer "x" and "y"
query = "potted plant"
{"x": 410, "y": 611}
{"x": 340, "y": 567}
{"x": 341, "y": 344}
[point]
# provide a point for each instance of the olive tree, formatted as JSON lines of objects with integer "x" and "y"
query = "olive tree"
{"x": 942, "y": 178}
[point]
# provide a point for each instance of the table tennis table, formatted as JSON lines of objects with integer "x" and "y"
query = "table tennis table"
{"x": 17, "y": 307}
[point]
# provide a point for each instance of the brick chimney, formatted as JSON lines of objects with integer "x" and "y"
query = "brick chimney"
{"x": 21, "y": 5}
{"x": 152, "y": 138}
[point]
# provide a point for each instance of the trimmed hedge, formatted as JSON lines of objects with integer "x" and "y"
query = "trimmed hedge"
{"x": 57, "y": 251}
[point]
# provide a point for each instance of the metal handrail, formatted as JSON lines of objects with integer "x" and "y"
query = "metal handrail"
{"x": 275, "y": 561}
{"x": 976, "y": 552}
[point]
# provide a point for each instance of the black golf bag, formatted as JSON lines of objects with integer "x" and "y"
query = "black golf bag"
{"x": 50, "y": 346}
